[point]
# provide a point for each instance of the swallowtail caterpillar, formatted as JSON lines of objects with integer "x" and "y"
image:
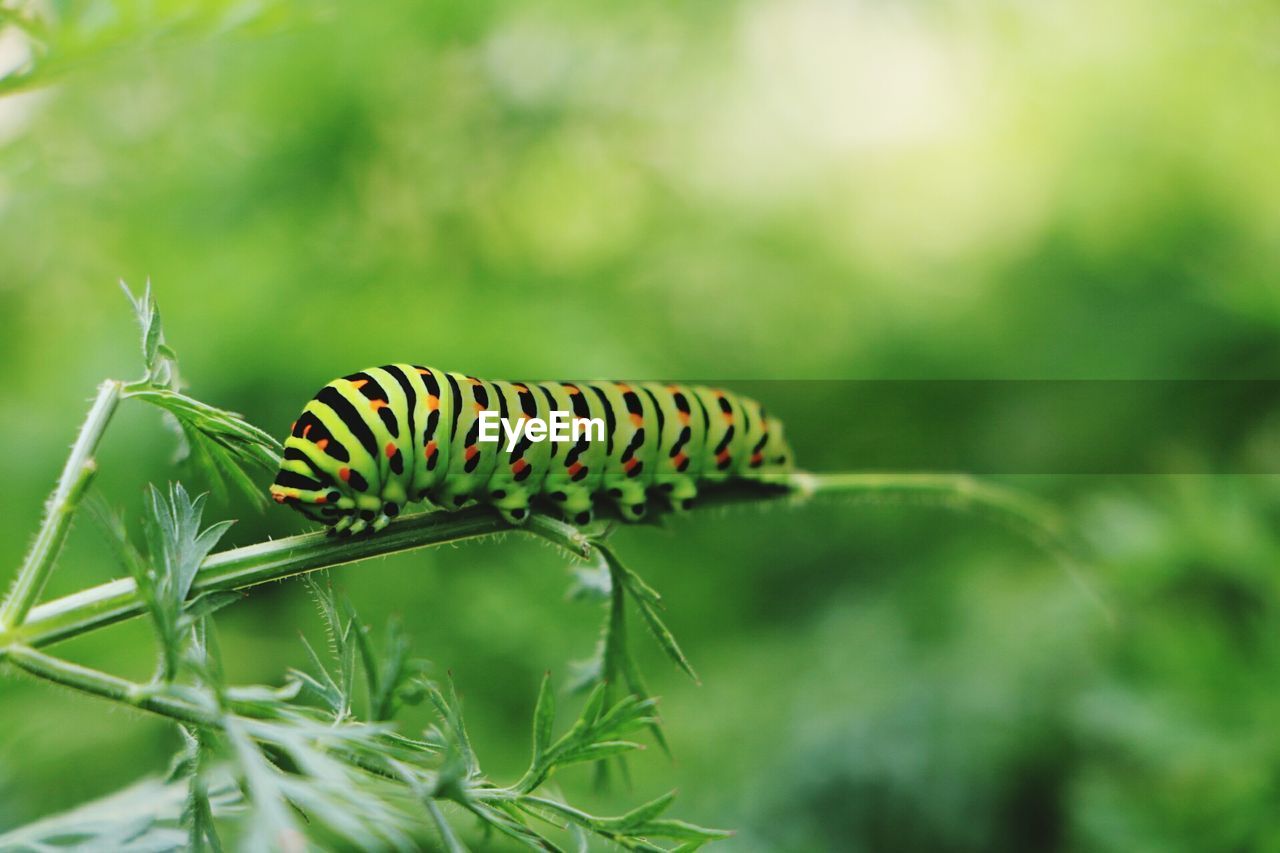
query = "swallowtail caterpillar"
{"x": 369, "y": 443}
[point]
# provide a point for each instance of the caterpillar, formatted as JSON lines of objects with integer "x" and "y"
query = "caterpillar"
{"x": 371, "y": 442}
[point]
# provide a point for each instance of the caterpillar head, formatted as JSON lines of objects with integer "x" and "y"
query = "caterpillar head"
{"x": 306, "y": 503}
{"x": 295, "y": 489}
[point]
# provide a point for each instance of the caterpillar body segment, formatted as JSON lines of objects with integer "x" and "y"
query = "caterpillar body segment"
{"x": 369, "y": 443}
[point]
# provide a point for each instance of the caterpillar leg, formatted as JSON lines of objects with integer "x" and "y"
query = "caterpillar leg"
{"x": 575, "y": 505}
{"x": 629, "y": 497}
{"x": 511, "y": 502}
{"x": 679, "y": 494}
{"x": 515, "y": 515}
{"x": 389, "y": 511}
{"x": 450, "y": 499}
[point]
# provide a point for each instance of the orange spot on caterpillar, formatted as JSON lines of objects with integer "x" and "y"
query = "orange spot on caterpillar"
{"x": 520, "y": 386}
{"x": 390, "y": 449}
{"x": 474, "y": 381}
{"x": 728, "y": 417}
{"x": 278, "y": 497}
{"x": 422, "y": 371}
{"x": 378, "y": 404}
{"x": 470, "y": 452}
{"x": 625, "y": 389}
{"x": 638, "y": 420}
{"x": 479, "y": 408}
{"x": 722, "y": 457}
{"x": 630, "y": 463}
{"x": 574, "y": 468}
{"x": 519, "y": 466}
{"x": 322, "y": 444}
{"x": 679, "y": 459}
{"x": 293, "y": 426}
{"x": 306, "y": 429}
{"x": 359, "y": 383}
{"x": 684, "y": 417}
{"x": 344, "y": 474}
{"x": 433, "y": 403}
{"x": 574, "y": 390}
{"x": 321, "y": 499}
{"x": 429, "y": 450}
{"x": 757, "y": 459}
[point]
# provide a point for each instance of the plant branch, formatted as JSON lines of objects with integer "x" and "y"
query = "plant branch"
{"x": 251, "y": 565}
{"x": 96, "y": 683}
{"x": 76, "y": 474}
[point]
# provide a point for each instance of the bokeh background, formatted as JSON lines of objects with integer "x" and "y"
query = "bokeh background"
{"x": 761, "y": 189}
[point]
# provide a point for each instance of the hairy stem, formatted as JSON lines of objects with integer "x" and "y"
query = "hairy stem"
{"x": 251, "y": 565}
{"x": 95, "y": 683}
{"x": 76, "y": 474}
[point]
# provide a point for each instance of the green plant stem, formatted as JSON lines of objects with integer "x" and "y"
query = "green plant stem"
{"x": 1032, "y": 517}
{"x": 93, "y": 682}
{"x": 241, "y": 568}
{"x": 150, "y": 698}
{"x": 76, "y": 474}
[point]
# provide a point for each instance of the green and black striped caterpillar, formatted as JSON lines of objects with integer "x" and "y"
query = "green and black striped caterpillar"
{"x": 373, "y": 441}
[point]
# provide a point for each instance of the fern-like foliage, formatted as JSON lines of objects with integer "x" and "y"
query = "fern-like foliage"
{"x": 221, "y": 445}
{"x": 319, "y": 761}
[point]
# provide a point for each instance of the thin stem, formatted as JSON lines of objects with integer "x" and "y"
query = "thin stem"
{"x": 447, "y": 835}
{"x": 60, "y": 508}
{"x": 106, "y": 686}
{"x": 1029, "y": 514}
{"x": 1038, "y": 523}
{"x": 251, "y": 565}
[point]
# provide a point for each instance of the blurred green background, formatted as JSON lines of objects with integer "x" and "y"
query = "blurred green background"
{"x": 748, "y": 190}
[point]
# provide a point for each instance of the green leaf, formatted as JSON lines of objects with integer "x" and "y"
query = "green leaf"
{"x": 598, "y": 751}
{"x": 645, "y": 813}
{"x": 148, "y": 316}
{"x": 141, "y": 816}
{"x": 176, "y": 547}
{"x": 454, "y": 730}
{"x": 222, "y": 444}
{"x": 595, "y": 702}
{"x": 629, "y": 714}
{"x": 679, "y": 830}
{"x": 207, "y": 603}
{"x": 369, "y": 661}
{"x": 645, "y": 599}
{"x": 509, "y": 825}
{"x": 634, "y": 583}
{"x": 392, "y": 678}
{"x": 322, "y": 685}
{"x": 197, "y": 813}
{"x": 667, "y": 640}
{"x": 544, "y": 717}
{"x": 111, "y": 524}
